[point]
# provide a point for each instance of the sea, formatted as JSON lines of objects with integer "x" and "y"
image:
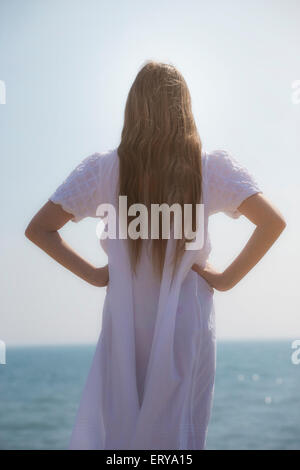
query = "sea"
{"x": 256, "y": 400}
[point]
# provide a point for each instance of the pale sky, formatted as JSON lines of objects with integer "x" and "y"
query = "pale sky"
{"x": 68, "y": 66}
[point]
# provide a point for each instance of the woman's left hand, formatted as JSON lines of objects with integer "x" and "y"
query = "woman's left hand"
{"x": 215, "y": 279}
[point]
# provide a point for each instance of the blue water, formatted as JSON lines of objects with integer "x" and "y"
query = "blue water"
{"x": 256, "y": 405}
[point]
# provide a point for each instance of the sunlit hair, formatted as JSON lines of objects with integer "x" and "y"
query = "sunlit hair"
{"x": 159, "y": 152}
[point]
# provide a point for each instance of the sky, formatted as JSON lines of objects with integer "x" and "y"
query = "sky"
{"x": 67, "y": 66}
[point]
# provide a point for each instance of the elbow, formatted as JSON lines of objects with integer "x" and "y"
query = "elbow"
{"x": 282, "y": 224}
{"x": 31, "y": 232}
{"x": 279, "y": 224}
{"x": 28, "y": 232}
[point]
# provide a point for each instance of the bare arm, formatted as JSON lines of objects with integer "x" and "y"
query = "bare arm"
{"x": 43, "y": 232}
{"x": 269, "y": 225}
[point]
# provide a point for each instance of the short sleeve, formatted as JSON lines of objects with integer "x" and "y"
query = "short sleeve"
{"x": 79, "y": 194}
{"x": 229, "y": 183}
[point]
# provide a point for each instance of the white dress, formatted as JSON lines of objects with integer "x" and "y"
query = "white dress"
{"x": 151, "y": 382}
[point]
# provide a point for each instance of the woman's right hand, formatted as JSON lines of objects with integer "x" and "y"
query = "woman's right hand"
{"x": 99, "y": 277}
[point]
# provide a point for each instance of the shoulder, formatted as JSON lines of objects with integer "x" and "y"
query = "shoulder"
{"x": 227, "y": 182}
{"x": 105, "y": 158}
{"x": 220, "y": 165}
{"x": 98, "y": 163}
{"x": 218, "y": 159}
{"x": 108, "y": 160}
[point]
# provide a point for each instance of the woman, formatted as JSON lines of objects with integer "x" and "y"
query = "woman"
{"x": 152, "y": 377}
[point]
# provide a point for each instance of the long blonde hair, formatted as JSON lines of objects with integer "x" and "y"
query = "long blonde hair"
{"x": 160, "y": 151}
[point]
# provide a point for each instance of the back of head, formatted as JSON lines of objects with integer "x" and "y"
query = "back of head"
{"x": 160, "y": 150}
